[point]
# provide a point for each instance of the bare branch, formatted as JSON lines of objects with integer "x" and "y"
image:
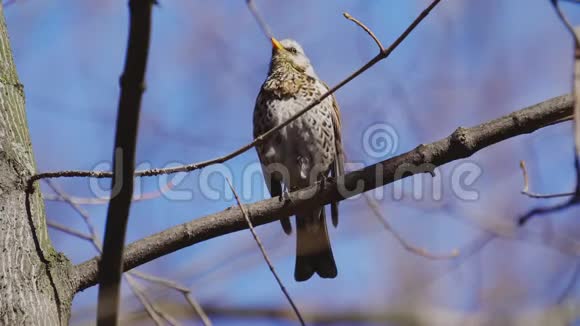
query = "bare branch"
{"x": 462, "y": 143}
{"x": 575, "y": 92}
{"x": 406, "y": 245}
{"x": 258, "y": 140}
{"x": 528, "y": 193}
{"x": 68, "y": 230}
{"x": 77, "y": 200}
{"x": 263, "y": 250}
{"x": 564, "y": 313}
{"x": 104, "y": 200}
{"x": 366, "y": 29}
{"x": 545, "y": 210}
{"x": 101, "y": 201}
{"x": 140, "y": 294}
{"x": 132, "y": 88}
{"x": 376, "y": 209}
{"x": 180, "y": 288}
{"x": 161, "y": 281}
{"x": 576, "y": 104}
{"x": 261, "y": 22}
{"x": 152, "y": 311}
{"x": 94, "y": 239}
{"x": 135, "y": 288}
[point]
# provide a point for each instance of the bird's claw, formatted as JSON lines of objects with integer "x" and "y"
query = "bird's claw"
{"x": 325, "y": 180}
{"x": 286, "y": 196}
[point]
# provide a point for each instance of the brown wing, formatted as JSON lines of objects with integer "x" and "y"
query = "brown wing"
{"x": 337, "y": 168}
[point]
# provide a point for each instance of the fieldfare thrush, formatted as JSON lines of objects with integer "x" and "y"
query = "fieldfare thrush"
{"x": 302, "y": 153}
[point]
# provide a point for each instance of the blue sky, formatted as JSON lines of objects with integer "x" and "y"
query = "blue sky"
{"x": 470, "y": 61}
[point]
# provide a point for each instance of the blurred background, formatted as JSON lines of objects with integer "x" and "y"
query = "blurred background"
{"x": 468, "y": 62}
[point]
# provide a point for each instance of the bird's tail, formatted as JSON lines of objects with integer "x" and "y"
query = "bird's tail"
{"x": 313, "y": 251}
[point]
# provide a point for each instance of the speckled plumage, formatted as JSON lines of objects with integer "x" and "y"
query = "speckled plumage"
{"x": 301, "y": 153}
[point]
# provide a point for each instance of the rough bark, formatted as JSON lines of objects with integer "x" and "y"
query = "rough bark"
{"x": 34, "y": 286}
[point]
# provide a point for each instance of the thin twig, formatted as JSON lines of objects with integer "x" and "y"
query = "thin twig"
{"x": 132, "y": 88}
{"x": 161, "y": 281}
{"x": 383, "y": 54}
{"x": 194, "y": 304}
{"x": 68, "y": 230}
{"x": 96, "y": 242}
{"x": 371, "y": 202}
{"x": 575, "y": 92}
{"x": 414, "y": 313}
{"x": 263, "y": 250}
{"x": 525, "y": 218}
{"x": 104, "y": 200}
{"x": 473, "y": 248}
{"x": 77, "y": 200}
{"x": 261, "y": 22}
{"x": 93, "y": 237}
{"x": 462, "y": 143}
{"x": 140, "y": 294}
{"x": 527, "y": 192}
{"x": 366, "y": 29}
{"x": 178, "y": 287}
{"x": 375, "y": 208}
{"x": 576, "y": 105}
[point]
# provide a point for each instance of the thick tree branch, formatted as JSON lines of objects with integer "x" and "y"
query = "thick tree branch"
{"x": 462, "y": 143}
{"x": 132, "y": 88}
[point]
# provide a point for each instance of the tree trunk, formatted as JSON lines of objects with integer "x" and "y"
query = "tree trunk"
{"x": 35, "y": 287}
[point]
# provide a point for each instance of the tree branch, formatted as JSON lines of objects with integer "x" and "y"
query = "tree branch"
{"x": 575, "y": 199}
{"x": 575, "y": 94}
{"x": 132, "y": 88}
{"x": 383, "y": 54}
{"x": 265, "y": 255}
{"x": 366, "y": 29}
{"x": 526, "y": 188}
{"x": 462, "y": 143}
{"x": 564, "y": 313}
{"x": 377, "y": 212}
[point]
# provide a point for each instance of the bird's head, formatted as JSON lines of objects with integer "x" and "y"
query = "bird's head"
{"x": 288, "y": 53}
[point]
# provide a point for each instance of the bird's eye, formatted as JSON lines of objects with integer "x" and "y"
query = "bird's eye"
{"x": 292, "y": 50}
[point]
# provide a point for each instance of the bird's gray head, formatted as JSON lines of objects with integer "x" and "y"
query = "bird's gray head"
{"x": 288, "y": 53}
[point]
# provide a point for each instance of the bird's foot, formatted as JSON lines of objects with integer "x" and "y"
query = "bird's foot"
{"x": 286, "y": 196}
{"x": 326, "y": 180}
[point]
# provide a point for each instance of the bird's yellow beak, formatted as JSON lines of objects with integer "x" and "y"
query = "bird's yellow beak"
{"x": 275, "y": 44}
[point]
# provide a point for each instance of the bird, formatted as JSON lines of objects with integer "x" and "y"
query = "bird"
{"x": 306, "y": 151}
